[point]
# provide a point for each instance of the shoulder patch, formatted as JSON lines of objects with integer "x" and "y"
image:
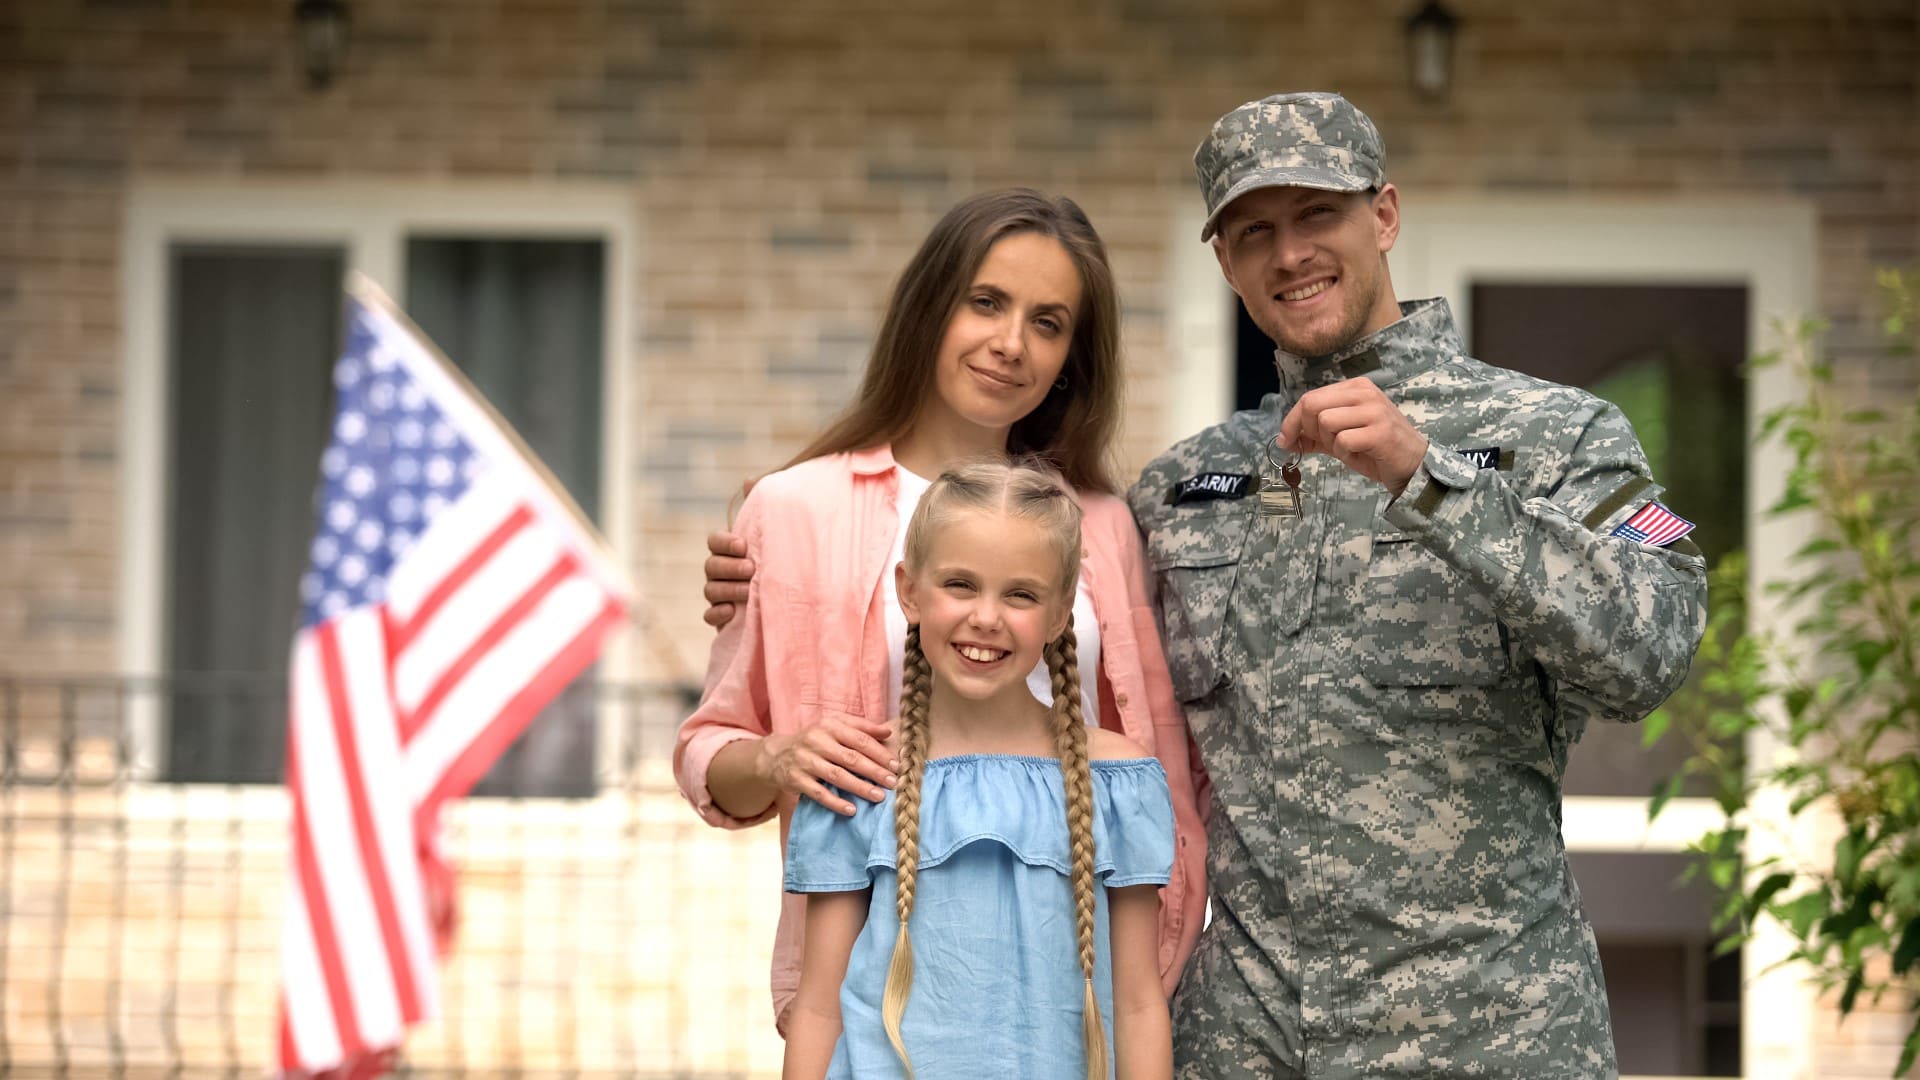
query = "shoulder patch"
{"x": 1654, "y": 525}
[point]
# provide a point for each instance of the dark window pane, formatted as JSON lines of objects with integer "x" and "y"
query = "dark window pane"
{"x": 1669, "y": 356}
{"x": 1672, "y": 1004}
{"x": 1254, "y": 376}
{"x": 523, "y": 319}
{"x": 254, "y": 333}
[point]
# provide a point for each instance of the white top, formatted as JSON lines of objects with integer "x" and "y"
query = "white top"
{"x": 1086, "y": 628}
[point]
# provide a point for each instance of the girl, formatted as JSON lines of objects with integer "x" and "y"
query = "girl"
{"x": 1002, "y": 335}
{"x": 938, "y": 936}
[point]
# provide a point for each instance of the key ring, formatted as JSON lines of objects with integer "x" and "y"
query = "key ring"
{"x": 1275, "y": 501}
{"x": 1289, "y": 470}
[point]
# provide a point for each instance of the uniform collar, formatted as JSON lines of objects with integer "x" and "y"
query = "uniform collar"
{"x": 1423, "y": 336}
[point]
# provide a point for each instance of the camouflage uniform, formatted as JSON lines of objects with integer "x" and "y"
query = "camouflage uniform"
{"x": 1384, "y": 693}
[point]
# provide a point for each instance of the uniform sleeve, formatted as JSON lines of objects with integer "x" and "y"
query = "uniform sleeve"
{"x": 734, "y": 704}
{"x": 1612, "y": 621}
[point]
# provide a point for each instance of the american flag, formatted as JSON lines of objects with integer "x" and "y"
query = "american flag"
{"x": 1654, "y": 524}
{"x": 453, "y": 591}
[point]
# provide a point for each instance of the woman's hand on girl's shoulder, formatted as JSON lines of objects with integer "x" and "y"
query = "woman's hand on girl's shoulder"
{"x": 1104, "y": 745}
{"x": 848, "y": 752}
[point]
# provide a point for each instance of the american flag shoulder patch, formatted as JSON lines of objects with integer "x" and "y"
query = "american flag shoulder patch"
{"x": 1654, "y": 525}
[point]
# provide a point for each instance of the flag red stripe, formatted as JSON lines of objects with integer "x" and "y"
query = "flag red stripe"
{"x": 366, "y": 832}
{"x": 479, "y": 755}
{"x": 563, "y": 568}
{"x": 319, "y": 915}
{"x": 457, "y": 577}
{"x": 366, "y": 1066}
{"x": 289, "y": 1054}
{"x": 1660, "y": 525}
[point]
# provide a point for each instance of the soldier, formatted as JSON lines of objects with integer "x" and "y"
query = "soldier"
{"x": 1392, "y": 597}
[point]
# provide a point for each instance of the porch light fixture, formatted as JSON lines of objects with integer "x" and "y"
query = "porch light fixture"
{"x": 321, "y": 29}
{"x": 1430, "y": 33}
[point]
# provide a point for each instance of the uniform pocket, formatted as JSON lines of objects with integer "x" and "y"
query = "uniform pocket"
{"x": 1422, "y": 625}
{"x": 1196, "y": 560}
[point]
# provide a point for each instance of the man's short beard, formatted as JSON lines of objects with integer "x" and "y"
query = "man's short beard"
{"x": 1352, "y": 328}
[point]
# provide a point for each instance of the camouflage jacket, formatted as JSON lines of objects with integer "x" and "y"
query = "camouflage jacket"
{"x": 1384, "y": 696}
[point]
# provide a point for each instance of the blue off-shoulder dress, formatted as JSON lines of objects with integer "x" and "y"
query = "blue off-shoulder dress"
{"x": 997, "y": 986}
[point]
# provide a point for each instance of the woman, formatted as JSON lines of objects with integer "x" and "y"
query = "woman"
{"x": 1001, "y": 337}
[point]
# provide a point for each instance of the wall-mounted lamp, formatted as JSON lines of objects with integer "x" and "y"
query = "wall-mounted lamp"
{"x": 321, "y": 29}
{"x": 1430, "y": 33}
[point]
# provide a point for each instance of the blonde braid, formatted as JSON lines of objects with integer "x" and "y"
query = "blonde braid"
{"x": 1027, "y": 490}
{"x": 915, "y": 690}
{"x": 1070, "y": 742}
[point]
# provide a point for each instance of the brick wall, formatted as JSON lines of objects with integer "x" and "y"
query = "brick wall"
{"x": 784, "y": 158}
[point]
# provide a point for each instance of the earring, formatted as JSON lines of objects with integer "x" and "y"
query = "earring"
{"x": 1061, "y": 382}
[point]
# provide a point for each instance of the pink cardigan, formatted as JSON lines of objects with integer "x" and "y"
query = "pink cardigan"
{"x": 810, "y": 643}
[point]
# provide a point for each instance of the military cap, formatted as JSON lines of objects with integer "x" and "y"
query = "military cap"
{"x": 1311, "y": 140}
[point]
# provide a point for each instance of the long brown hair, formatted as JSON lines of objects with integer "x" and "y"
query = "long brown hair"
{"x": 1073, "y": 427}
{"x": 1036, "y": 495}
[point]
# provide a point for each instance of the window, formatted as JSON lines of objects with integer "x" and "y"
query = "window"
{"x": 253, "y": 337}
{"x": 234, "y": 329}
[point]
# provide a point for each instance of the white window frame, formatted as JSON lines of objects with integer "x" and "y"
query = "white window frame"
{"x": 370, "y": 223}
{"x": 1767, "y": 246}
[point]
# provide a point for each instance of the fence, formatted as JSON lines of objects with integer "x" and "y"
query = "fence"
{"x": 606, "y": 934}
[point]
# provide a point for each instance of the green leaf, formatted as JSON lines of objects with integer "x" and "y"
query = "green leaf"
{"x": 1654, "y": 726}
{"x": 1867, "y": 654}
{"x": 1818, "y": 547}
{"x": 1794, "y": 499}
{"x": 1909, "y": 1051}
{"x": 1722, "y": 871}
{"x": 1908, "y": 951}
{"x": 1796, "y": 700}
{"x": 1847, "y": 855}
{"x": 1725, "y": 723}
{"x": 1802, "y": 912}
{"x": 1854, "y": 982}
{"x": 1663, "y": 794}
{"x": 1764, "y": 892}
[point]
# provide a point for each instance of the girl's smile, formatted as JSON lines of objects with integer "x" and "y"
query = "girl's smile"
{"x": 984, "y": 657}
{"x": 987, "y": 599}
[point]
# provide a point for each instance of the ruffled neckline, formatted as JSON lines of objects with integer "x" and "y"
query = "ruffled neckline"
{"x": 1015, "y": 800}
{"x": 1044, "y": 760}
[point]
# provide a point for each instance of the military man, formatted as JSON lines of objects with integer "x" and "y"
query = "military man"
{"x": 1392, "y": 598}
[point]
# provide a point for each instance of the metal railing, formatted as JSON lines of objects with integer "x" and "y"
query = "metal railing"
{"x": 603, "y": 931}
